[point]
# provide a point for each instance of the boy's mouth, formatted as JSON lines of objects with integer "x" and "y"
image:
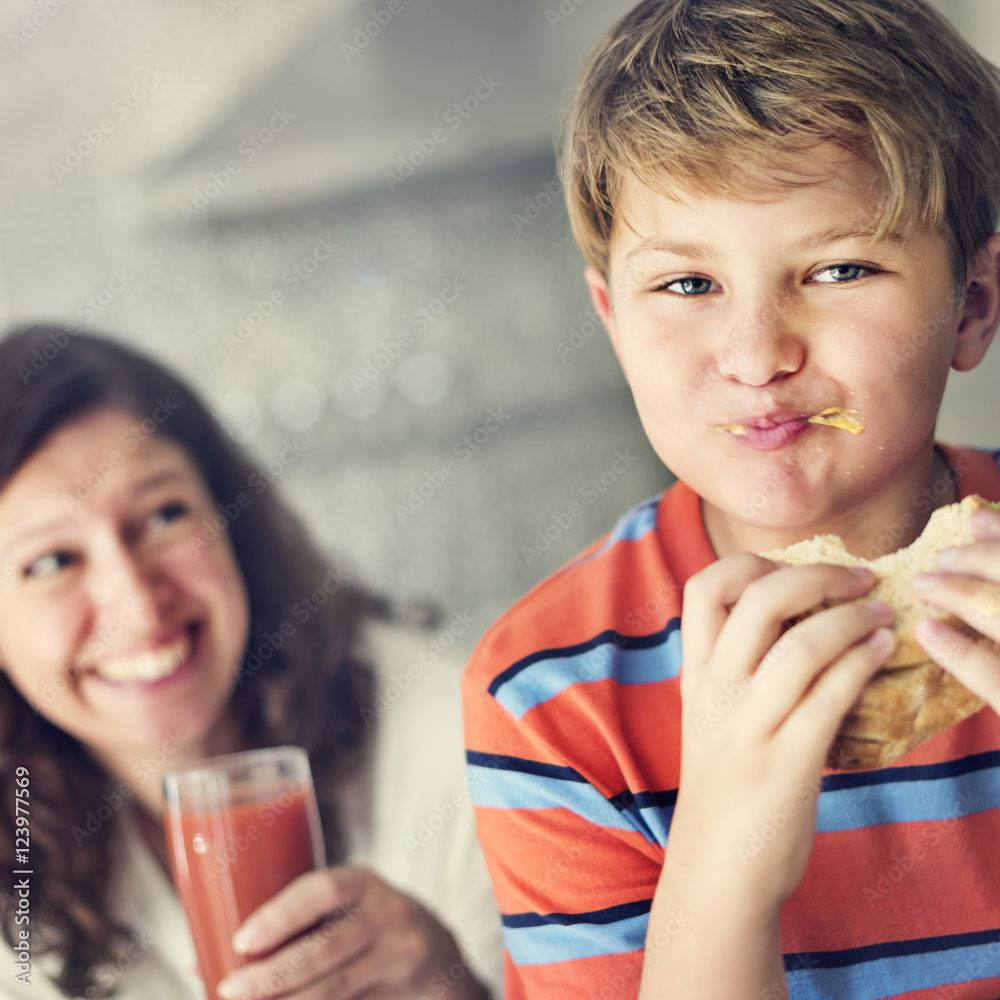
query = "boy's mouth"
{"x": 776, "y": 430}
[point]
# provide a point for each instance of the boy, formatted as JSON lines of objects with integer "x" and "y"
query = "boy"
{"x": 788, "y": 208}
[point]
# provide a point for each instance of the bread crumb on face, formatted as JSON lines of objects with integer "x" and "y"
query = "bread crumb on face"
{"x": 836, "y": 416}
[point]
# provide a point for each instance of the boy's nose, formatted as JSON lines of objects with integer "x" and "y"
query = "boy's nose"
{"x": 761, "y": 348}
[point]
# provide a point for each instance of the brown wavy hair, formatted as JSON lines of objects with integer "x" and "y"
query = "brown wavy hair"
{"x": 690, "y": 95}
{"x": 309, "y": 692}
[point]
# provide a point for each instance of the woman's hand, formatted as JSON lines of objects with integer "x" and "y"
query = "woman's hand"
{"x": 968, "y": 585}
{"x": 344, "y": 933}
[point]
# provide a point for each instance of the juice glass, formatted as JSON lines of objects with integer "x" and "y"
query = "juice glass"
{"x": 239, "y": 828}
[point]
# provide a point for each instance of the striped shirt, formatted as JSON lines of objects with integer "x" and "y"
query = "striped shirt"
{"x": 572, "y": 724}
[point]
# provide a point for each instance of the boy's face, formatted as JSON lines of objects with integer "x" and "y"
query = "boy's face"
{"x": 737, "y": 320}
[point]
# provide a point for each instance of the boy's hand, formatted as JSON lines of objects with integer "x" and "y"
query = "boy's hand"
{"x": 968, "y": 585}
{"x": 761, "y": 709}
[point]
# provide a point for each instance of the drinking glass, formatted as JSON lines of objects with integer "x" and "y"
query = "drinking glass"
{"x": 239, "y": 829}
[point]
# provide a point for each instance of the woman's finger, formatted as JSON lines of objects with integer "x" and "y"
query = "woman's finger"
{"x": 300, "y": 905}
{"x": 977, "y": 668}
{"x": 326, "y": 954}
{"x": 335, "y": 956}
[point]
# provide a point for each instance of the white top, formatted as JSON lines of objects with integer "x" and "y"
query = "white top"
{"x": 407, "y": 815}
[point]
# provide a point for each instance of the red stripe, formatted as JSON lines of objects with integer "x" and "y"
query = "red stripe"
{"x": 606, "y": 977}
{"x": 867, "y": 885}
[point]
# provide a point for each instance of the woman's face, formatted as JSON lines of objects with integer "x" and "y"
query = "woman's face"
{"x": 119, "y": 622}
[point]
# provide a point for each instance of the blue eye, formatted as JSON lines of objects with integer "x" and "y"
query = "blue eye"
{"x": 842, "y": 274}
{"x": 48, "y": 564}
{"x": 688, "y": 286}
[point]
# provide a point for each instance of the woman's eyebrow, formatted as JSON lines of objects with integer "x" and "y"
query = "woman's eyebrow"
{"x": 150, "y": 482}
{"x": 159, "y": 478}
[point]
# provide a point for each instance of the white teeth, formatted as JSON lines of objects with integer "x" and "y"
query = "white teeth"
{"x": 153, "y": 665}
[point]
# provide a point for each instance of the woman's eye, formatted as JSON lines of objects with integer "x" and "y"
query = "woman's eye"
{"x": 688, "y": 286}
{"x": 173, "y": 511}
{"x": 48, "y": 564}
{"x": 841, "y": 274}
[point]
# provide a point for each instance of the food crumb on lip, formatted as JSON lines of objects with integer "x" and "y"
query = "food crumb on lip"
{"x": 836, "y": 416}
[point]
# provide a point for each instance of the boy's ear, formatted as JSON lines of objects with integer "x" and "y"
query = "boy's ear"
{"x": 981, "y": 310}
{"x": 600, "y": 295}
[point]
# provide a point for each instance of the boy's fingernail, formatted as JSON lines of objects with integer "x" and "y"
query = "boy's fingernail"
{"x": 882, "y": 641}
{"x": 947, "y": 557}
{"x": 862, "y": 573}
{"x": 881, "y": 609}
{"x": 925, "y": 581}
{"x": 986, "y": 522}
{"x": 930, "y": 630}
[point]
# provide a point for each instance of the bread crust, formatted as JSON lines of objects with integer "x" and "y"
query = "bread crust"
{"x": 912, "y": 698}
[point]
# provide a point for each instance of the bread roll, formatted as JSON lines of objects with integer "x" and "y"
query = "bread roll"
{"x": 911, "y": 698}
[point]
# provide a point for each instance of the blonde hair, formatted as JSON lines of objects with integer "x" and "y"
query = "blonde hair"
{"x": 691, "y": 94}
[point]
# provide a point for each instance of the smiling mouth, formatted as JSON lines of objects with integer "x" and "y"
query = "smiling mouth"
{"x": 151, "y": 665}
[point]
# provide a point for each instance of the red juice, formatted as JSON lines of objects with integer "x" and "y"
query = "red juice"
{"x": 227, "y": 862}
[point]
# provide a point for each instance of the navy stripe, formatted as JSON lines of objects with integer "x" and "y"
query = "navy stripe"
{"x": 609, "y": 636}
{"x": 521, "y": 765}
{"x": 657, "y": 800}
{"x": 918, "y": 772}
{"x": 609, "y": 915}
{"x": 887, "y": 949}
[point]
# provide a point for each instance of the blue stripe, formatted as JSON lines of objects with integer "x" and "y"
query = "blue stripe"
{"x": 912, "y": 800}
{"x": 910, "y": 965}
{"x": 926, "y": 793}
{"x": 630, "y": 527}
{"x": 627, "y": 659}
{"x": 650, "y": 812}
{"x": 543, "y": 940}
{"x": 492, "y": 788}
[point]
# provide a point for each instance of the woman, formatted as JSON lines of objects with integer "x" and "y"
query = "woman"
{"x": 159, "y": 605}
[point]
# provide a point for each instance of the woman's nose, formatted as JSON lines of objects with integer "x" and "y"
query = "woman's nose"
{"x": 763, "y": 346}
{"x": 128, "y": 593}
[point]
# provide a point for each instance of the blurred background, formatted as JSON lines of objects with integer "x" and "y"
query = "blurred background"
{"x": 341, "y": 222}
